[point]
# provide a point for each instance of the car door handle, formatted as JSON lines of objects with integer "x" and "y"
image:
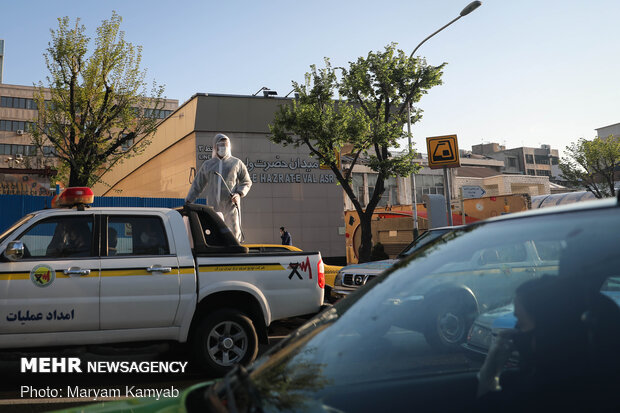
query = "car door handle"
{"x": 76, "y": 271}
{"x": 158, "y": 268}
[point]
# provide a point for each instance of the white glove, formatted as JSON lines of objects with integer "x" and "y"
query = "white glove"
{"x": 499, "y": 352}
{"x": 235, "y": 199}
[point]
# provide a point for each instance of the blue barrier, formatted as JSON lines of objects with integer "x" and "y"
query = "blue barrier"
{"x": 13, "y": 207}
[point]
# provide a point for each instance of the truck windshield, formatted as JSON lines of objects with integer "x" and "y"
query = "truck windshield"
{"x": 13, "y": 227}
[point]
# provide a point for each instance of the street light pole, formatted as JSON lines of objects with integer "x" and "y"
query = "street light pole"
{"x": 468, "y": 9}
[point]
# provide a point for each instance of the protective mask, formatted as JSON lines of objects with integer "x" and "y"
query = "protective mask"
{"x": 221, "y": 150}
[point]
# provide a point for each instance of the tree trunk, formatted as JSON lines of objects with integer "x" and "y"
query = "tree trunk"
{"x": 366, "y": 245}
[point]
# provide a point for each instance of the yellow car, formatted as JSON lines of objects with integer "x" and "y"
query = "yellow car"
{"x": 330, "y": 270}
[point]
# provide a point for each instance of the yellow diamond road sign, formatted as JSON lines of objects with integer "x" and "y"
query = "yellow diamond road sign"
{"x": 443, "y": 152}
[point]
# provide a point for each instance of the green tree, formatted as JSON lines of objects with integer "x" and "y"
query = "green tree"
{"x": 99, "y": 112}
{"x": 592, "y": 164}
{"x": 368, "y": 115}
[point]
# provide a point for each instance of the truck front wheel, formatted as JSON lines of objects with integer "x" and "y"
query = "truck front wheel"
{"x": 224, "y": 338}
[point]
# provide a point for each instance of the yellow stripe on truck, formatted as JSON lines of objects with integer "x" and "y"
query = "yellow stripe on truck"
{"x": 26, "y": 275}
{"x": 123, "y": 273}
{"x": 139, "y": 271}
{"x": 253, "y": 267}
{"x": 15, "y": 276}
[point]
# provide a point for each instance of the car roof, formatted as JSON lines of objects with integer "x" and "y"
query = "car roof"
{"x": 577, "y": 206}
{"x": 446, "y": 228}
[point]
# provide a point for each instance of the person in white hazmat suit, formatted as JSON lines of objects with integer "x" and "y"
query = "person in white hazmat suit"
{"x": 233, "y": 179}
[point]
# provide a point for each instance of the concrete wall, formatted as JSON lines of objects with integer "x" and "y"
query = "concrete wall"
{"x": 165, "y": 175}
{"x": 130, "y": 178}
{"x": 605, "y": 131}
{"x": 288, "y": 187}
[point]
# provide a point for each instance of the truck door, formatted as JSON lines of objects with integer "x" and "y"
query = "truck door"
{"x": 55, "y": 286}
{"x": 139, "y": 273}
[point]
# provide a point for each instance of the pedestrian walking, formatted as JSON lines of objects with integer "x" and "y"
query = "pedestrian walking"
{"x": 286, "y": 237}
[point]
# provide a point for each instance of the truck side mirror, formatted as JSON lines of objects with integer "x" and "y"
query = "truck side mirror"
{"x": 14, "y": 251}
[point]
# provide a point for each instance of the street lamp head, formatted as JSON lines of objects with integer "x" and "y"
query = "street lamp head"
{"x": 470, "y": 7}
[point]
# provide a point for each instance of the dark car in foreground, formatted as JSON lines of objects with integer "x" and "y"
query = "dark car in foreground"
{"x": 370, "y": 352}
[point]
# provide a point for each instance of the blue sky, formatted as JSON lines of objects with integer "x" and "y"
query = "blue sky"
{"x": 520, "y": 72}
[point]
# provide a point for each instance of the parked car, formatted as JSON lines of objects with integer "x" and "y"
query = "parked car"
{"x": 488, "y": 325}
{"x": 353, "y": 276}
{"x": 370, "y": 352}
{"x": 330, "y": 270}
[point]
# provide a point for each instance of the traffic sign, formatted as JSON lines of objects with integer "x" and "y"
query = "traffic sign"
{"x": 472, "y": 191}
{"x": 443, "y": 152}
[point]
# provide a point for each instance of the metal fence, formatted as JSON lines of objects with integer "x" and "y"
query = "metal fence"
{"x": 13, "y": 207}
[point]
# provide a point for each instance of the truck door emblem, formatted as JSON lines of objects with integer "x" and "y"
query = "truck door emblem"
{"x": 294, "y": 266}
{"x": 42, "y": 275}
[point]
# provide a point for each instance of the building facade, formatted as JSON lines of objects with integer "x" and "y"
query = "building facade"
{"x": 289, "y": 188}
{"x": 541, "y": 161}
{"x": 24, "y": 169}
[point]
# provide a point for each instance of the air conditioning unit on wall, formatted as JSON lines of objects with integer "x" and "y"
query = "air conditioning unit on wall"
{"x": 20, "y": 131}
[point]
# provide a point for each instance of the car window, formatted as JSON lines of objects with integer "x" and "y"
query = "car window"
{"x": 60, "y": 237}
{"x": 275, "y": 249}
{"x": 136, "y": 235}
{"x": 549, "y": 250}
{"x": 422, "y": 240}
{"x": 13, "y": 227}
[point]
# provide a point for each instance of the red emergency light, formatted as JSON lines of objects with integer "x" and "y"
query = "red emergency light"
{"x": 74, "y": 196}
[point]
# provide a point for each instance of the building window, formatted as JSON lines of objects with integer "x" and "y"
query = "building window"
{"x": 11, "y": 149}
{"x": 512, "y": 162}
{"x": 428, "y": 184}
{"x": 529, "y": 158}
{"x": 531, "y": 172}
{"x": 542, "y": 172}
{"x": 157, "y": 113}
{"x": 357, "y": 185}
{"x": 555, "y": 160}
{"x": 17, "y": 103}
{"x": 15, "y": 125}
{"x": 390, "y": 195}
{"x": 542, "y": 159}
{"x": 49, "y": 151}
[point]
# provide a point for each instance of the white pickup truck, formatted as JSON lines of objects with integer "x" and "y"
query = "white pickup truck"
{"x": 81, "y": 276}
